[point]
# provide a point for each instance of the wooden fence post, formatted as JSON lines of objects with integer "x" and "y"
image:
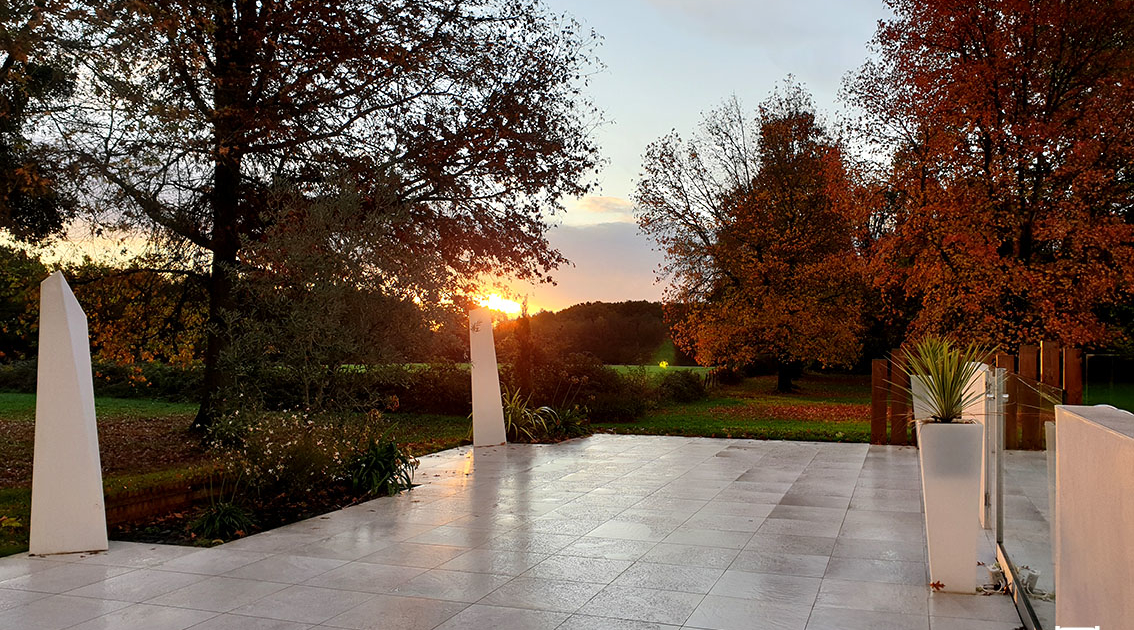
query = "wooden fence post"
{"x": 1050, "y": 376}
{"x": 878, "y": 389}
{"x": 1073, "y": 376}
{"x": 899, "y": 414}
{"x": 1011, "y": 428}
{"x": 1028, "y": 397}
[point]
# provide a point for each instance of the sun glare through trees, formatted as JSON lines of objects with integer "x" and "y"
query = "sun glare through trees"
{"x": 493, "y": 301}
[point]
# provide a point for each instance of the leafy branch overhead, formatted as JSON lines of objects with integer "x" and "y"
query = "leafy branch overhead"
{"x": 453, "y": 127}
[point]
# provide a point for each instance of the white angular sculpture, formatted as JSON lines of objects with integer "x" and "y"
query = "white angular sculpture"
{"x": 67, "y": 512}
{"x": 488, "y": 411}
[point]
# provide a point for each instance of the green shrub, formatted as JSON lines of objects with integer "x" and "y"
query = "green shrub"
{"x": 682, "y": 386}
{"x": 381, "y": 469}
{"x": 284, "y": 452}
{"x": 441, "y": 388}
{"x": 616, "y": 407}
{"x": 522, "y": 422}
{"x": 140, "y": 380}
{"x": 18, "y": 376}
{"x": 300, "y": 463}
{"x": 567, "y": 423}
{"x": 293, "y": 452}
{"x": 147, "y": 380}
{"x": 229, "y": 430}
{"x": 724, "y": 375}
{"x": 575, "y": 379}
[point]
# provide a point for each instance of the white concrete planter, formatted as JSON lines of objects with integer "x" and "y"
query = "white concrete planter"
{"x": 950, "y": 456}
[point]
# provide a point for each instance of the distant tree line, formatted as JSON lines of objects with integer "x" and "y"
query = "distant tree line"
{"x": 616, "y": 333}
{"x": 136, "y": 315}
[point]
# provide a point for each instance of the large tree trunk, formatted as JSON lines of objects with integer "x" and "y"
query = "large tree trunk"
{"x": 221, "y": 302}
{"x": 786, "y": 372}
{"x": 222, "y": 298}
{"x": 229, "y": 91}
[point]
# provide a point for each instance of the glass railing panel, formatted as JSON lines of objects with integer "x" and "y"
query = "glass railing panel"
{"x": 1028, "y": 482}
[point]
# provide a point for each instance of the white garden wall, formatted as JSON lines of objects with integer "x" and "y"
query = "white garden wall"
{"x": 1094, "y": 511}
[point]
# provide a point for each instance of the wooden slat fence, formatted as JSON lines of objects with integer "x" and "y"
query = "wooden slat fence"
{"x": 1044, "y": 365}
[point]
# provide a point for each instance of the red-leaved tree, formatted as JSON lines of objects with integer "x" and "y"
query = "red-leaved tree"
{"x": 1009, "y": 125}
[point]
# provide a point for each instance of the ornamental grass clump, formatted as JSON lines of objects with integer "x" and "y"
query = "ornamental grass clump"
{"x": 944, "y": 372}
{"x": 526, "y": 423}
{"x": 382, "y": 469}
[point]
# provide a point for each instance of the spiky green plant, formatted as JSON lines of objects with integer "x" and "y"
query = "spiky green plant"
{"x": 522, "y": 422}
{"x": 383, "y": 468}
{"x": 945, "y": 370}
{"x": 525, "y": 423}
{"x": 224, "y": 517}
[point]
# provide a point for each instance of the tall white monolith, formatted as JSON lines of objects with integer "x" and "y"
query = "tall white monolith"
{"x": 67, "y": 512}
{"x": 488, "y": 411}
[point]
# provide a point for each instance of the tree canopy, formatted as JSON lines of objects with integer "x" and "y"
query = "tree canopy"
{"x": 456, "y": 125}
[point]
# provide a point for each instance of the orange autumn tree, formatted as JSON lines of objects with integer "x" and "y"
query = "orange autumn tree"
{"x": 758, "y": 229}
{"x": 136, "y": 315}
{"x": 1009, "y": 125}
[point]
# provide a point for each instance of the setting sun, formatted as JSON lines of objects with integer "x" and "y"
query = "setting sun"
{"x": 497, "y": 303}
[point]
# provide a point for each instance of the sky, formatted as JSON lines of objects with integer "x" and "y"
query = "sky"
{"x": 667, "y": 62}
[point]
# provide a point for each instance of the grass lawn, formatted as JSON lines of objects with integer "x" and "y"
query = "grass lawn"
{"x": 22, "y": 407}
{"x": 1120, "y": 395}
{"x": 135, "y": 436}
{"x": 141, "y": 442}
{"x": 421, "y": 434}
{"x": 657, "y": 369}
{"x": 826, "y": 408}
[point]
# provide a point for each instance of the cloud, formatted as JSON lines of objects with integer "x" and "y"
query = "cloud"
{"x": 771, "y": 22}
{"x": 598, "y": 209}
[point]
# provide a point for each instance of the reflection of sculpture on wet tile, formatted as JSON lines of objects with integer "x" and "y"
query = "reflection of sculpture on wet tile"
{"x": 488, "y": 411}
{"x": 67, "y": 513}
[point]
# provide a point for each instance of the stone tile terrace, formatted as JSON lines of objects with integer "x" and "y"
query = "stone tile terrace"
{"x": 607, "y": 532}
